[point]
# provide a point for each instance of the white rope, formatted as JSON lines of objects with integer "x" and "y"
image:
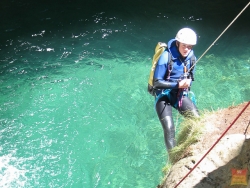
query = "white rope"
{"x": 220, "y": 35}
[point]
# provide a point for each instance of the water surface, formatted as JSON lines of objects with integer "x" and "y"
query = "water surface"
{"x": 74, "y": 110}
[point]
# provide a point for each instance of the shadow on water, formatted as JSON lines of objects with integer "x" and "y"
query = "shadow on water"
{"x": 26, "y": 17}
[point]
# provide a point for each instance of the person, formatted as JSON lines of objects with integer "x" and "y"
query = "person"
{"x": 172, "y": 82}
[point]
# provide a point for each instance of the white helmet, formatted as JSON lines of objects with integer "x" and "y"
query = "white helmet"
{"x": 186, "y": 36}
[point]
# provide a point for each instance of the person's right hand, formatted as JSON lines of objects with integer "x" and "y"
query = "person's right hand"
{"x": 184, "y": 83}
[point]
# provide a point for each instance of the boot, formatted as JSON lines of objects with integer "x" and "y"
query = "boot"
{"x": 169, "y": 132}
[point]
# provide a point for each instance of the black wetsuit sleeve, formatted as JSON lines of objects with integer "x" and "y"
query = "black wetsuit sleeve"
{"x": 162, "y": 84}
{"x": 159, "y": 81}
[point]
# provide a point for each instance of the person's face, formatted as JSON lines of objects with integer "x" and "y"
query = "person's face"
{"x": 184, "y": 49}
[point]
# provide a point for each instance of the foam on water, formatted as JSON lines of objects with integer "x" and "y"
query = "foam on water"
{"x": 11, "y": 175}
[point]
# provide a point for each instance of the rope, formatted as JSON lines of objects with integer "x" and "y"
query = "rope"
{"x": 246, "y": 129}
{"x": 214, "y": 144}
{"x": 219, "y": 36}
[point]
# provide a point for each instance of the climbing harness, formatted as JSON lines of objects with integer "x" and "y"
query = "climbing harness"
{"x": 166, "y": 92}
{"x": 180, "y": 95}
{"x": 214, "y": 143}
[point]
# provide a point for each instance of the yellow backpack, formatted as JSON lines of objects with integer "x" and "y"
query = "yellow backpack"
{"x": 159, "y": 49}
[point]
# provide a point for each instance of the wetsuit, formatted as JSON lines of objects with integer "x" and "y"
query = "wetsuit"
{"x": 165, "y": 103}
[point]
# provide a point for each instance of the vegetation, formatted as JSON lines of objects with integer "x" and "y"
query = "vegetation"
{"x": 190, "y": 131}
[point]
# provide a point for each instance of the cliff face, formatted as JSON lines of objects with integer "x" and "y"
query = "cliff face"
{"x": 231, "y": 152}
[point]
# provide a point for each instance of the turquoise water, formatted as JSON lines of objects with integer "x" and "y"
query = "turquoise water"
{"x": 74, "y": 109}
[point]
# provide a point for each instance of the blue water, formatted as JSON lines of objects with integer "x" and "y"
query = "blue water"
{"x": 74, "y": 109}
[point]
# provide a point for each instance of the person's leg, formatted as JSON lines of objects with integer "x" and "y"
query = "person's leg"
{"x": 188, "y": 108}
{"x": 164, "y": 112}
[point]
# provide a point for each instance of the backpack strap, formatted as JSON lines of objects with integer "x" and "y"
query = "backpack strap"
{"x": 170, "y": 65}
{"x": 192, "y": 62}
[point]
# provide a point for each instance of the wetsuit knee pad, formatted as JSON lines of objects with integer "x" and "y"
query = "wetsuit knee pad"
{"x": 188, "y": 108}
